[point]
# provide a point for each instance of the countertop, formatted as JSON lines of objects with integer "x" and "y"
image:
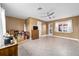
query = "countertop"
{"x": 9, "y": 45}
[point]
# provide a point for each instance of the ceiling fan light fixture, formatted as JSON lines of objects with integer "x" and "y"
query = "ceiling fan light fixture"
{"x": 49, "y": 17}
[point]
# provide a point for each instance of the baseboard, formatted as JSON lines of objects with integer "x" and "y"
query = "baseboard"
{"x": 67, "y": 38}
{"x": 43, "y": 35}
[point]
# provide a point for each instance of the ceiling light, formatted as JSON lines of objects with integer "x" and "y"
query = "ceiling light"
{"x": 40, "y": 8}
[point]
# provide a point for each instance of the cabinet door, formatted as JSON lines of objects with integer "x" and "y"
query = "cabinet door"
{"x": 4, "y": 52}
{"x": 13, "y": 51}
{"x": 1, "y": 53}
{"x": 35, "y": 34}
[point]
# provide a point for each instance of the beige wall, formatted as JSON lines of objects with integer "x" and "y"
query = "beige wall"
{"x": 45, "y": 28}
{"x": 29, "y": 23}
{"x": 75, "y": 23}
{"x": 18, "y": 24}
{"x": 33, "y": 21}
{"x": 14, "y": 23}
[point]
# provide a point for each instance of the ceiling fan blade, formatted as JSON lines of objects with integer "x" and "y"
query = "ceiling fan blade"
{"x": 48, "y": 15}
{"x": 51, "y": 14}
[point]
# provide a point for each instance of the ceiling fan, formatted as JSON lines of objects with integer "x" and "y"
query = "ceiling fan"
{"x": 48, "y": 14}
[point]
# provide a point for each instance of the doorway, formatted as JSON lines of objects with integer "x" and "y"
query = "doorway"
{"x": 50, "y": 29}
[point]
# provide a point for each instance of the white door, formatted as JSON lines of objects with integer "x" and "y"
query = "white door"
{"x": 50, "y": 29}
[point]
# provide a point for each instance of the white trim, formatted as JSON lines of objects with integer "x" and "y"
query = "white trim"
{"x": 43, "y": 35}
{"x": 67, "y": 38}
{"x": 3, "y": 21}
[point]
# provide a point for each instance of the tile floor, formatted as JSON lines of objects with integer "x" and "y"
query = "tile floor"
{"x": 49, "y": 46}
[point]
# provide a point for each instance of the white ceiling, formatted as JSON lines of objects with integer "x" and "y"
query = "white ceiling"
{"x": 24, "y": 10}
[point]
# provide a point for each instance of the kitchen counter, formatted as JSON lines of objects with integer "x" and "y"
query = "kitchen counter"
{"x": 5, "y": 46}
{"x": 9, "y": 50}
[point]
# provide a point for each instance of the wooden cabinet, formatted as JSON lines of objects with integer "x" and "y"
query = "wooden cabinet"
{"x": 35, "y": 34}
{"x": 9, "y": 51}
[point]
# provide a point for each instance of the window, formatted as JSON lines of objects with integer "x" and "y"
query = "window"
{"x": 63, "y": 26}
{"x": 2, "y": 25}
